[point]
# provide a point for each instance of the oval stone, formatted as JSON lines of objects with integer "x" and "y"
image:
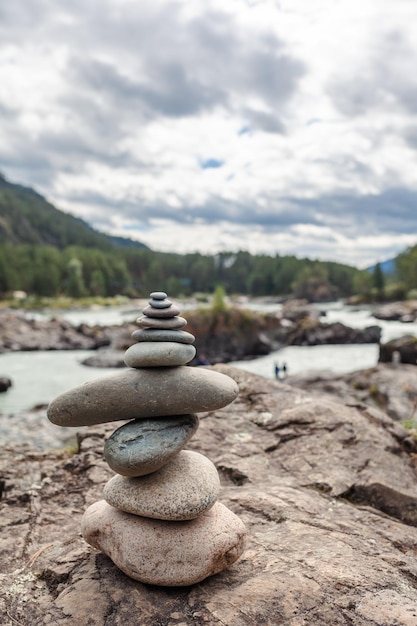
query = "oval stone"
{"x": 154, "y": 354}
{"x": 160, "y": 304}
{"x": 150, "y": 392}
{"x": 181, "y": 490}
{"x": 171, "y": 311}
{"x": 158, "y": 295}
{"x": 158, "y": 334}
{"x": 158, "y": 552}
{"x": 145, "y": 445}
{"x": 169, "y": 323}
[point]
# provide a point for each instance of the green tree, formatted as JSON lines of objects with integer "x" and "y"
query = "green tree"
{"x": 76, "y": 286}
{"x": 218, "y": 304}
{"x": 362, "y": 284}
{"x": 378, "y": 280}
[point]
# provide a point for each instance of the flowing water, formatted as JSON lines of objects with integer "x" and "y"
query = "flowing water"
{"x": 38, "y": 377}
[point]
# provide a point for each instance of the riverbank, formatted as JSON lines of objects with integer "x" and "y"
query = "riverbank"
{"x": 232, "y": 333}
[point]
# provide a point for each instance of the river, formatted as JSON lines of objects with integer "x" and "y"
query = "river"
{"x": 38, "y": 377}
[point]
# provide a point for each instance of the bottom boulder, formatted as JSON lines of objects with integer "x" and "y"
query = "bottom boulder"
{"x": 166, "y": 553}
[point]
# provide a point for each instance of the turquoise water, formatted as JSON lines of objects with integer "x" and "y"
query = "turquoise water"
{"x": 38, "y": 377}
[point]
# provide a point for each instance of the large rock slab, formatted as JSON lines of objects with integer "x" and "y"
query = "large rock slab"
{"x": 134, "y": 393}
{"x": 143, "y": 446}
{"x": 181, "y": 490}
{"x": 158, "y": 552}
{"x": 324, "y": 489}
{"x": 387, "y": 387}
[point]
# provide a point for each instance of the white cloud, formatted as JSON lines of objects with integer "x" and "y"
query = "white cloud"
{"x": 305, "y": 110}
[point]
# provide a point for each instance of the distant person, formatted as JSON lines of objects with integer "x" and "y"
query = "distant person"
{"x": 202, "y": 360}
{"x": 277, "y": 370}
{"x": 396, "y": 358}
{"x": 284, "y": 370}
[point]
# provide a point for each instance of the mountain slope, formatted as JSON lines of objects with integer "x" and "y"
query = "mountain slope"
{"x": 26, "y": 217}
{"x": 388, "y": 266}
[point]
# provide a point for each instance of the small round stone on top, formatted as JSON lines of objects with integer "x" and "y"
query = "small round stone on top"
{"x": 158, "y": 295}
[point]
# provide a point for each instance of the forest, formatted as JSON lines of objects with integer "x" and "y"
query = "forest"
{"x": 77, "y": 271}
{"x": 45, "y": 252}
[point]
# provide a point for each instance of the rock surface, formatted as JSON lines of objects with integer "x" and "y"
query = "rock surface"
{"x": 390, "y": 388}
{"x": 181, "y": 490}
{"x": 327, "y": 492}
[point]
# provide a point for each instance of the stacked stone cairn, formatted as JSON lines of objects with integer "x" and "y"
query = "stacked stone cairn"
{"x": 160, "y": 521}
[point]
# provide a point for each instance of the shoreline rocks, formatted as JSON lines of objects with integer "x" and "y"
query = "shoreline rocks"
{"x": 401, "y": 350}
{"x": 405, "y": 312}
{"x": 160, "y": 521}
{"x": 234, "y": 334}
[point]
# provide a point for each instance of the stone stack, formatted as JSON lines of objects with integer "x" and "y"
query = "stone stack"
{"x": 160, "y": 521}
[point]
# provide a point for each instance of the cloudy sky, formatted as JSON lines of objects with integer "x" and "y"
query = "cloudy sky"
{"x": 274, "y": 126}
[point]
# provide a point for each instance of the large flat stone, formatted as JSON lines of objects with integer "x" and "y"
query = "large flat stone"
{"x": 181, "y": 490}
{"x": 158, "y": 552}
{"x": 151, "y": 392}
{"x": 143, "y": 446}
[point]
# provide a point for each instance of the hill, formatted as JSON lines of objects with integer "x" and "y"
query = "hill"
{"x": 388, "y": 267}
{"x": 27, "y": 217}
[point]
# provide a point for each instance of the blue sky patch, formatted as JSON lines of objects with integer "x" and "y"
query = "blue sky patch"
{"x": 211, "y": 163}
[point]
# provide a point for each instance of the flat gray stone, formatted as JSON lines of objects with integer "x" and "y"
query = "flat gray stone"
{"x": 159, "y": 334}
{"x": 157, "y": 354}
{"x": 143, "y": 446}
{"x": 158, "y": 295}
{"x": 181, "y": 490}
{"x": 160, "y": 304}
{"x": 158, "y": 552}
{"x": 150, "y": 392}
{"x": 165, "y": 324}
{"x": 170, "y": 311}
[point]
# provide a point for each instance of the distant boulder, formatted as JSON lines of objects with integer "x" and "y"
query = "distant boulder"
{"x": 401, "y": 350}
{"x": 5, "y": 383}
{"x": 313, "y": 333}
{"x": 397, "y": 311}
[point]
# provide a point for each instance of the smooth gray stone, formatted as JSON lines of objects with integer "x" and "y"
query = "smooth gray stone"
{"x": 160, "y": 304}
{"x": 157, "y": 354}
{"x": 158, "y": 295}
{"x": 168, "y": 324}
{"x": 148, "y": 392}
{"x": 145, "y": 445}
{"x": 181, "y": 490}
{"x": 171, "y": 311}
{"x": 155, "y": 334}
